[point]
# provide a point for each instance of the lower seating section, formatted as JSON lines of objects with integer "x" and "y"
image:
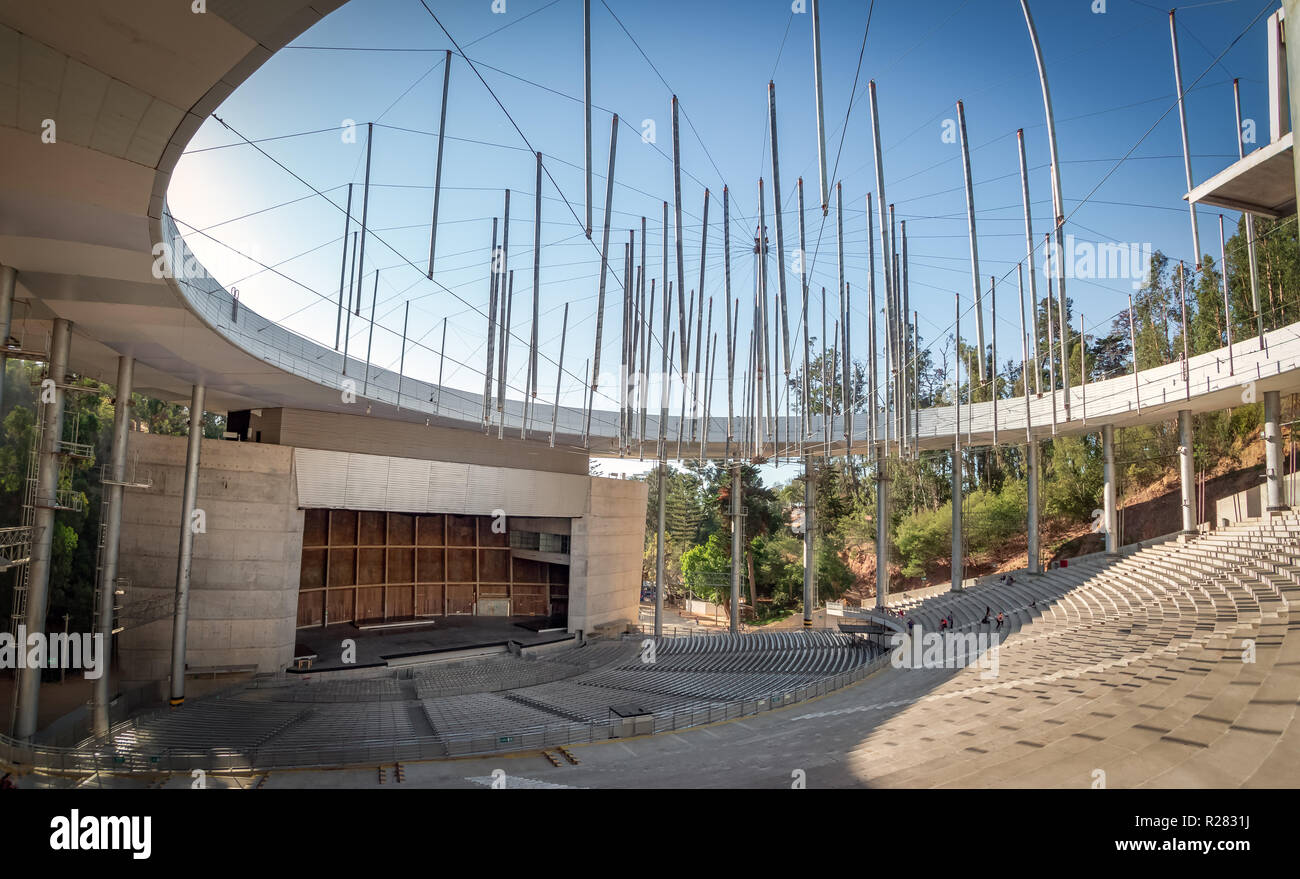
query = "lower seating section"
{"x": 499, "y": 696}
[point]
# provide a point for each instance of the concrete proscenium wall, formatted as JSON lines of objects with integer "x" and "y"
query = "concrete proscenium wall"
{"x": 244, "y": 589}
{"x": 607, "y": 546}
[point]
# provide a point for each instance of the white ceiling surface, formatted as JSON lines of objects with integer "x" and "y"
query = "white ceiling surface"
{"x": 128, "y": 83}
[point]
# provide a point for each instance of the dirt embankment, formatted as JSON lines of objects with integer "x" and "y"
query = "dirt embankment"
{"x": 1151, "y": 511}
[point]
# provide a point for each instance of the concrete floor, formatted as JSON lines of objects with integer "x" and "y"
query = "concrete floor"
{"x": 446, "y": 633}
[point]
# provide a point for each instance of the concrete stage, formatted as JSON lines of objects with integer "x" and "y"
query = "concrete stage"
{"x": 455, "y": 634}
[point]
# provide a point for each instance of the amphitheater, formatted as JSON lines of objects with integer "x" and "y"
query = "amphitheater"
{"x": 1170, "y": 663}
{"x": 1176, "y": 664}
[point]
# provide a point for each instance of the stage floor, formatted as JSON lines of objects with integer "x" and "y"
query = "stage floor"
{"x": 376, "y": 646}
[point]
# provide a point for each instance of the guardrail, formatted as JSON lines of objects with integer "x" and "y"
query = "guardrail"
{"x": 108, "y": 759}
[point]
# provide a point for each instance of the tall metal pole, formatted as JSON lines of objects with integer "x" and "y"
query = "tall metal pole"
{"x": 731, "y": 328}
{"x": 882, "y": 520}
{"x": 821, "y": 119}
{"x": 809, "y": 557}
{"x": 993, "y": 385}
{"x": 537, "y": 274}
{"x": 343, "y": 271}
{"x": 1058, "y": 201}
{"x": 957, "y": 562}
{"x": 683, "y": 337}
{"x": 873, "y": 418}
{"x": 760, "y": 311}
{"x": 1227, "y": 306}
{"x": 1051, "y": 343}
{"x": 604, "y": 266}
{"x": 845, "y": 353}
{"x": 1132, "y": 341}
{"x": 353, "y": 287}
{"x": 1187, "y": 152}
{"x": 806, "y": 413}
{"x": 113, "y": 489}
{"x": 365, "y": 213}
{"x": 586, "y": 81}
{"x": 494, "y": 287}
{"x": 41, "y": 555}
{"x": 374, "y": 298}
{"x": 659, "y": 544}
{"x": 737, "y": 544}
{"x": 186, "y": 556}
{"x": 1029, "y": 257}
{"x": 885, "y": 249}
{"x": 442, "y": 356}
{"x": 437, "y": 172}
{"x": 401, "y": 364}
{"x": 974, "y": 247}
{"x": 559, "y": 373}
{"x": 505, "y": 291}
{"x": 1182, "y": 298}
{"x": 906, "y": 356}
{"x": 1250, "y": 227}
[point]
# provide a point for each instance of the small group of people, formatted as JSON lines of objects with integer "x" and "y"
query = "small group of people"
{"x": 987, "y": 611}
{"x": 946, "y": 622}
{"x": 1007, "y": 580}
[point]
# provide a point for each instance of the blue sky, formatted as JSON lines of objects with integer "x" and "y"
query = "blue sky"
{"x": 1110, "y": 72}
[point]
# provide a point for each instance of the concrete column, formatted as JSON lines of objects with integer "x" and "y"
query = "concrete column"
{"x": 809, "y": 559}
{"x": 112, "y": 534}
{"x": 1110, "y": 516}
{"x": 958, "y": 561}
{"x": 186, "y": 555}
{"x": 1186, "y": 476}
{"x": 737, "y": 545}
{"x": 1273, "y": 468}
{"x": 8, "y": 279}
{"x": 659, "y": 549}
{"x": 882, "y": 526}
{"x": 1035, "y": 537}
{"x": 1292, "y": 9}
{"x": 47, "y": 483}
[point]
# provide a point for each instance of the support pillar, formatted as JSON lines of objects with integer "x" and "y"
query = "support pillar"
{"x": 1035, "y": 537}
{"x": 737, "y": 545}
{"x": 186, "y": 555}
{"x": 659, "y": 547}
{"x": 882, "y": 525}
{"x": 1111, "y": 519}
{"x": 8, "y": 280}
{"x": 1186, "y": 475}
{"x": 1291, "y": 8}
{"x": 45, "y": 501}
{"x": 1273, "y": 468}
{"x": 112, "y": 534}
{"x": 958, "y": 560}
{"x": 809, "y": 559}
